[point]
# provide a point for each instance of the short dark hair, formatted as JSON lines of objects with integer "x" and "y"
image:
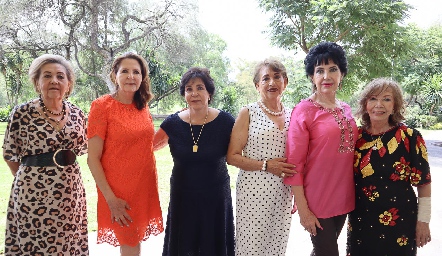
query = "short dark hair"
{"x": 376, "y": 87}
{"x": 322, "y": 53}
{"x": 203, "y": 74}
{"x": 144, "y": 94}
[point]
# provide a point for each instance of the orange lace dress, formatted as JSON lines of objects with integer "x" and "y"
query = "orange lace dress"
{"x": 129, "y": 165}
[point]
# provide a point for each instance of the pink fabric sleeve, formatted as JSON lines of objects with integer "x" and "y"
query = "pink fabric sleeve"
{"x": 297, "y": 145}
{"x": 97, "y": 120}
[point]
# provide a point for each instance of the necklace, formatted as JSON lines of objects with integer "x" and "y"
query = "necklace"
{"x": 345, "y": 146}
{"x": 273, "y": 113}
{"x": 45, "y": 110}
{"x": 377, "y": 143}
{"x": 195, "y": 143}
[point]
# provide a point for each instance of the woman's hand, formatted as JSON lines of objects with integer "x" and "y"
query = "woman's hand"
{"x": 309, "y": 221}
{"x": 279, "y": 167}
{"x": 118, "y": 208}
{"x": 423, "y": 235}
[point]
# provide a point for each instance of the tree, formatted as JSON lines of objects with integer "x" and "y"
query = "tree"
{"x": 368, "y": 30}
{"x": 14, "y": 75}
{"x": 84, "y": 31}
{"x": 92, "y": 33}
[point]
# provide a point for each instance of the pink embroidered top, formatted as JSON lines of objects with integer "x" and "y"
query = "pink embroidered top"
{"x": 321, "y": 144}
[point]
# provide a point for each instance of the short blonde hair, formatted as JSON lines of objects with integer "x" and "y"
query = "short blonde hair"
{"x": 38, "y": 63}
{"x": 274, "y": 64}
{"x": 376, "y": 87}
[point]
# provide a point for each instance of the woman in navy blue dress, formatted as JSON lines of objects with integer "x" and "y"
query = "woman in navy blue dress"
{"x": 200, "y": 215}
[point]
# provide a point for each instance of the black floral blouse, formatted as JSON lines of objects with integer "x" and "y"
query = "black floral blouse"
{"x": 386, "y": 166}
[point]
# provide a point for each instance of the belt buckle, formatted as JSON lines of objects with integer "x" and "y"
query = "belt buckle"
{"x": 54, "y": 158}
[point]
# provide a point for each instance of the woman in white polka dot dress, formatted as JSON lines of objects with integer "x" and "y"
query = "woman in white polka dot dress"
{"x": 257, "y": 147}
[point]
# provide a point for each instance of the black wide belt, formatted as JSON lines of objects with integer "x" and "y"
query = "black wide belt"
{"x": 59, "y": 158}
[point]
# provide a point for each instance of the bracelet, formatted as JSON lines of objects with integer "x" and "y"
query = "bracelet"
{"x": 264, "y": 165}
{"x": 424, "y": 209}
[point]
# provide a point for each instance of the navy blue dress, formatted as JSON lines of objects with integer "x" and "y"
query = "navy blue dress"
{"x": 200, "y": 215}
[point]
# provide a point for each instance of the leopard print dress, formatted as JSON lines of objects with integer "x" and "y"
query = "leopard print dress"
{"x": 46, "y": 213}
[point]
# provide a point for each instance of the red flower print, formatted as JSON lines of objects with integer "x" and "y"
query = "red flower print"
{"x": 403, "y": 240}
{"x": 415, "y": 176}
{"x": 394, "y": 177}
{"x": 388, "y": 218}
{"x": 370, "y": 192}
{"x": 402, "y": 170}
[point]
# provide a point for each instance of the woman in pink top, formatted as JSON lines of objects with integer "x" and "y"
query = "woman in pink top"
{"x": 320, "y": 142}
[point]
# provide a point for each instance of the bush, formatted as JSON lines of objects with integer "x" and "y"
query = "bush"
{"x": 414, "y": 118}
{"x": 4, "y": 114}
{"x": 437, "y": 126}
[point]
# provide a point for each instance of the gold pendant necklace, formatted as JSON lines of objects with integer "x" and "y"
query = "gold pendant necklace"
{"x": 195, "y": 143}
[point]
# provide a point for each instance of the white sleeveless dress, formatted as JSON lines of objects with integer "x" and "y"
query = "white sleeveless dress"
{"x": 263, "y": 202}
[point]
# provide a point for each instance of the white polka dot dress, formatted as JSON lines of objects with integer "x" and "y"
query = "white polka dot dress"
{"x": 263, "y": 202}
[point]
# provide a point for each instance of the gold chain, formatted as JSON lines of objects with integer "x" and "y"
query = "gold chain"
{"x": 195, "y": 143}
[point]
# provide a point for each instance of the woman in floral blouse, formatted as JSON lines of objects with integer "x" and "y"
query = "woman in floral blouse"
{"x": 390, "y": 158}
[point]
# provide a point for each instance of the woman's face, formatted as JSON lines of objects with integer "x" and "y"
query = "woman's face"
{"x": 271, "y": 84}
{"x": 129, "y": 76}
{"x": 53, "y": 82}
{"x": 327, "y": 77}
{"x": 196, "y": 94}
{"x": 380, "y": 106}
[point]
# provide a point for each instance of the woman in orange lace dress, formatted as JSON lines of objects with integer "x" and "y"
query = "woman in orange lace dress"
{"x": 121, "y": 159}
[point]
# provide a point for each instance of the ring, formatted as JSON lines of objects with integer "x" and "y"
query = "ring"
{"x": 283, "y": 174}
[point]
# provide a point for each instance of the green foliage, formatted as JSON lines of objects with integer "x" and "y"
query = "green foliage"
{"x": 437, "y": 126}
{"x": 416, "y": 119}
{"x": 4, "y": 113}
{"x": 229, "y": 100}
{"x": 13, "y": 69}
{"x": 368, "y": 31}
{"x": 420, "y": 71}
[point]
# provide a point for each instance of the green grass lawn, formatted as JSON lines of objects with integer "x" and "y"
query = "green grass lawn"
{"x": 164, "y": 168}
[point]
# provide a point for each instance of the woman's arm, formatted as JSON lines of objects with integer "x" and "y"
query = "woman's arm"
{"x": 13, "y": 166}
{"x": 160, "y": 140}
{"x": 238, "y": 140}
{"x": 423, "y": 235}
{"x": 307, "y": 218}
{"x": 116, "y": 205}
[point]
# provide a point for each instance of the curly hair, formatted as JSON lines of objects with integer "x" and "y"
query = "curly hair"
{"x": 203, "y": 74}
{"x": 376, "y": 87}
{"x": 322, "y": 54}
{"x": 38, "y": 63}
{"x": 144, "y": 94}
{"x": 273, "y": 64}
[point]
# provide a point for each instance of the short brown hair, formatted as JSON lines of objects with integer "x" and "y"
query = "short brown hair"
{"x": 144, "y": 94}
{"x": 376, "y": 87}
{"x": 274, "y": 64}
{"x": 38, "y": 63}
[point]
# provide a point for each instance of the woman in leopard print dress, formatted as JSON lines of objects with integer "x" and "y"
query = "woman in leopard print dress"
{"x": 46, "y": 213}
